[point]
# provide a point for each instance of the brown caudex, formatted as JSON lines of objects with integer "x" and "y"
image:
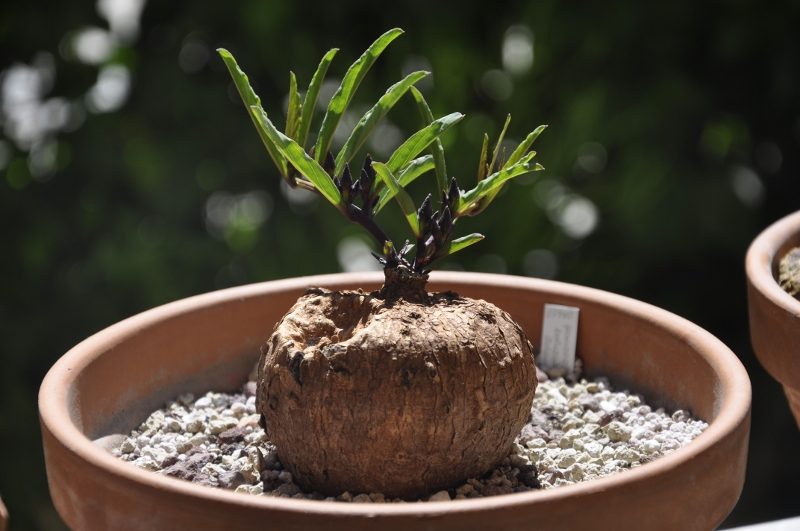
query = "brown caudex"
{"x": 774, "y": 314}
{"x": 399, "y": 391}
{"x": 110, "y": 382}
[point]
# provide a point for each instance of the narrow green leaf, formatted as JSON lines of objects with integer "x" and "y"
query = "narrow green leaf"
{"x": 456, "y": 245}
{"x": 420, "y": 140}
{"x": 240, "y": 79}
{"x": 344, "y": 94}
{"x": 371, "y": 118}
{"x": 486, "y": 200}
{"x": 310, "y": 101}
{"x": 406, "y": 203}
{"x": 252, "y": 100}
{"x": 436, "y": 148}
{"x": 413, "y": 169}
{"x": 499, "y": 141}
{"x": 483, "y": 170}
{"x": 523, "y": 148}
{"x": 293, "y": 116}
{"x": 497, "y": 179}
{"x": 490, "y": 168}
{"x": 307, "y": 166}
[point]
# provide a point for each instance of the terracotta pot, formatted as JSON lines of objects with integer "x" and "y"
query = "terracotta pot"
{"x": 774, "y": 314}
{"x": 110, "y": 383}
{"x": 3, "y": 516}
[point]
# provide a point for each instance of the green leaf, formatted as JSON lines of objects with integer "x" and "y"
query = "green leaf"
{"x": 307, "y": 166}
{"x": 456, "y": 245}
{"x": 496, "y": 180}
{"x": 483, "y": 169}
{"x": 252, "y": 100}
{"x": 499, "y": 141}
{"x": 523, "y": 148}
{"x": 420, "y": 140}
{"x": 344, "y": 94}
{"x": 371, "y": 118}
{"x": 502, "y": 162}
{"x": 406, "y": 203}
{"x": 413, "y": 169}
{"x": 436, "y": 148}
{"x": 490, "y": 168}
{"x": 310, "y": 101}
{"x": 293, "y": 116}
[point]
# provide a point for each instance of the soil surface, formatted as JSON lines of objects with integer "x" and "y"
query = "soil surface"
{"x": 576, "y": 432}
{"x": 789, "y": 272}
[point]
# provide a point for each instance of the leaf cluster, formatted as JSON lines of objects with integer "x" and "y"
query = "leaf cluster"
{"x": 360, "y": 199}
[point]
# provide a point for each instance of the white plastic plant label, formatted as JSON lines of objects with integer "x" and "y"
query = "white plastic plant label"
{"x": 559, "y": 336}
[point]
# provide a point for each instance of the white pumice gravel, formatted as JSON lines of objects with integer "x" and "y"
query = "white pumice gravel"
{"x": 576, "y": 432}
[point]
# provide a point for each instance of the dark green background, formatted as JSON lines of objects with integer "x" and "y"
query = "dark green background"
{"x": 679, "y": 93}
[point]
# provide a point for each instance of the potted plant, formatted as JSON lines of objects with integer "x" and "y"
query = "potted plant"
{"x": 343, "y": 378}
{"x": 313, "y": 365}
{"x": 774, "y": 313}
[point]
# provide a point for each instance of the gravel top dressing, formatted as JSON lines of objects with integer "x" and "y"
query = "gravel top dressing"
{"x": 576, "y": 432}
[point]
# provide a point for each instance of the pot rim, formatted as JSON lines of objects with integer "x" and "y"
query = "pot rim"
{"x": 55, "y": 415}
{"x": 760, "y": 257}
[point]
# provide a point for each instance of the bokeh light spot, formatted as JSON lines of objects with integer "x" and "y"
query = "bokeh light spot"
{"x": 385, "y": 138}
{"x": 193, "y": 56}
{"x": 592, "y": 157}
{"x": 92, "y": 46}
{"x": 491, "y": 263}
{"x": 518, "y": 50}
{"x": 354, "y": 255}
{"x": 497, "y": 85}
{"x": 577, "y": 217}
{"x": 540, "y": 263}
{"x": 111, "y": 90}
{"x": 228, "y": 214}
{"x": 418, "y": 63}
{"x": 301, "y": 202}
{"x": 747, "y": 186}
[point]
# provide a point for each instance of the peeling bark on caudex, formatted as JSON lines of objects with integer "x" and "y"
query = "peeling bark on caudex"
{"x": 398, "y": 391}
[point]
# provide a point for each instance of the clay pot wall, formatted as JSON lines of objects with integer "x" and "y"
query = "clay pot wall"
{"x": 774, "y": 314}
{"x": 113, "y": 380}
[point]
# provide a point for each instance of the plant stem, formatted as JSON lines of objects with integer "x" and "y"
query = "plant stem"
{"x": 401, "y": 281}
{"x": 356, "y": 215}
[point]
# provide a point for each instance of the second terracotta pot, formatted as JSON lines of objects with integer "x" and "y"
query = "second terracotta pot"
{"x": 3, "y": 516}
{"x": 111, "y": 382}
{"x": 774, "y": 314}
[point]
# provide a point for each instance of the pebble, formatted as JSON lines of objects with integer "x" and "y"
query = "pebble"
{"x": 577, "y": 431}
{"x": 619, "y": 432}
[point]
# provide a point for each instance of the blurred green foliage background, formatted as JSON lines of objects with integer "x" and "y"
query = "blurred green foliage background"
{"x": 131, "y": 176}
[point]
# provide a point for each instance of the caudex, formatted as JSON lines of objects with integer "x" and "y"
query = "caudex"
{"x": 398, "y": 391}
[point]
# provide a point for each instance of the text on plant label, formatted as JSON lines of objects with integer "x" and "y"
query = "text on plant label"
{"x": 559, "y": 337}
